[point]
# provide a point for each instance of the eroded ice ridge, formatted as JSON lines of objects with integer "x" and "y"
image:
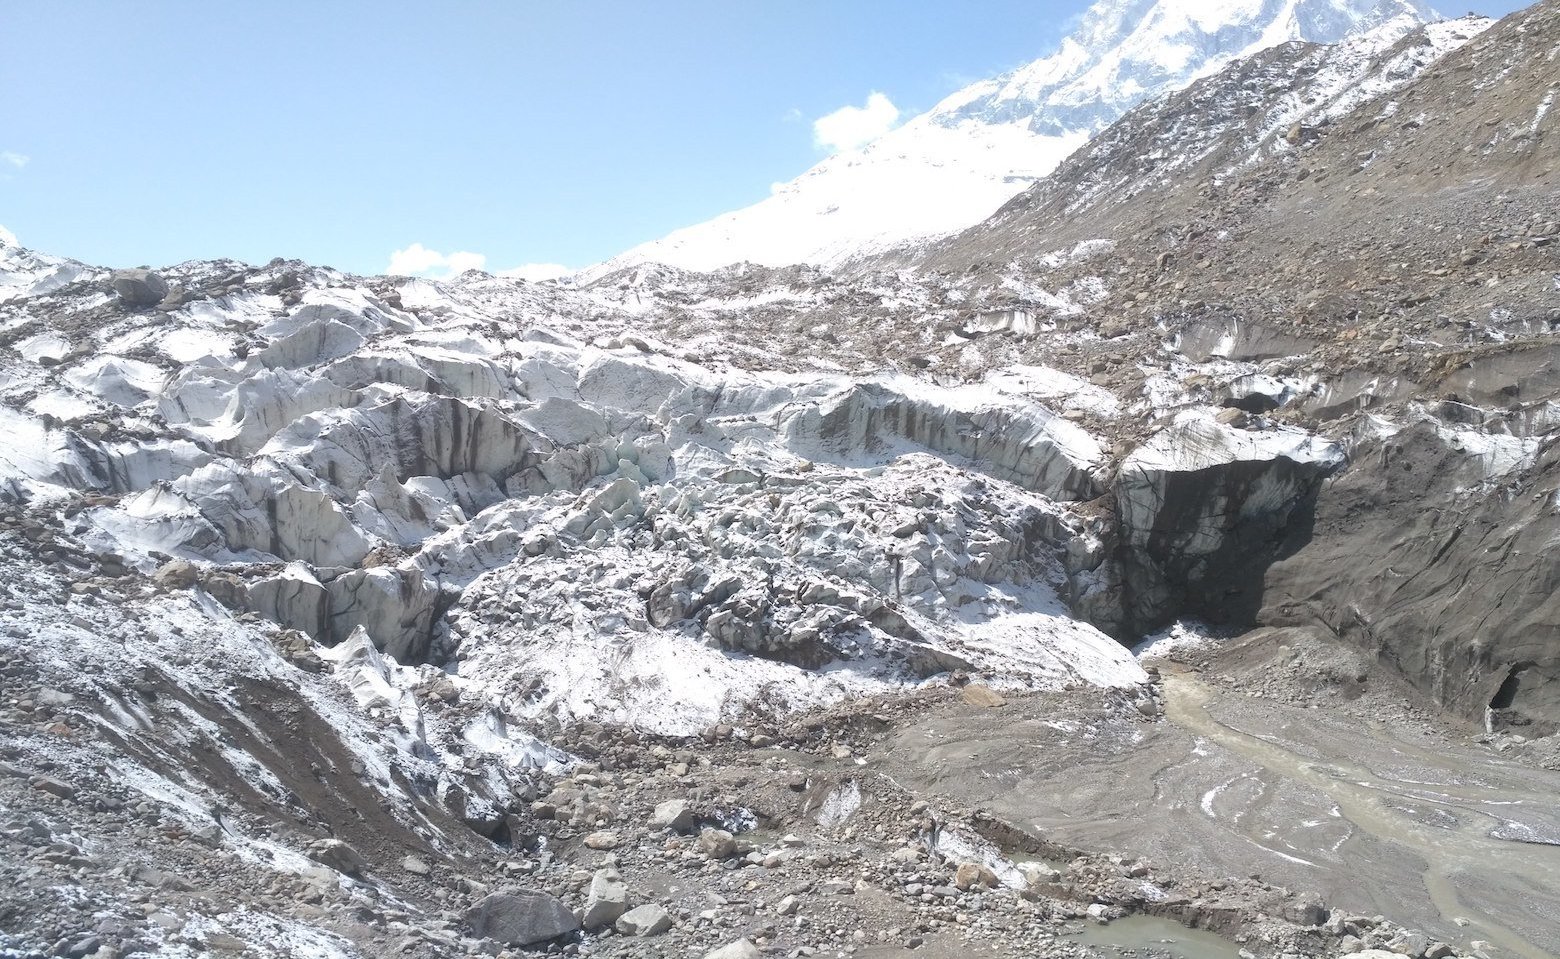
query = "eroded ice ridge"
{"x": 584, "y": 529}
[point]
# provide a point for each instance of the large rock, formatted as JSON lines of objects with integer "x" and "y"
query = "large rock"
{"x": 647, "y": 920}
{"x": 674, "y": 814}
{"x": 606, "y": 900}
{"x": 520, "y": 917}
{"x": 139, "y": 288}
{"x": 176, "y": 574}
{"x": 741, "y": 949}
{"x": 717, "y": 844}
{"x": 337, "y": 855}
{"x": 973, "y": 875}
{"x": 1306, "y": 909}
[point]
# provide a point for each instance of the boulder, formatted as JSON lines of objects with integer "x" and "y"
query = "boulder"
{"x": 972, "y": 875}
{"x": 139, "y": 288}
{"x": 1305, "y": 909}
{"x": 741, "y": 949}
{"x": 176, "y": 574}
{"x": 717, "y": 844}
{"x": 520, "y": 917}
{"x": 674, "y": 814}
{"x": 602, "y": 840}
{"x": 1414, "y": 944}
{"x": 337, "y": 855}
{"x": 647, "y": 920}
{"x": 606, "y": 900}
{"x": 1038, "y": 873}
{"x": 54, "y": 787}
{"x": 415, "y": 866}
{"x": 55, "y": 698}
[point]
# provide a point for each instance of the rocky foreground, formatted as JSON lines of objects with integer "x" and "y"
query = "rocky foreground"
{"x": 183, "y": 783}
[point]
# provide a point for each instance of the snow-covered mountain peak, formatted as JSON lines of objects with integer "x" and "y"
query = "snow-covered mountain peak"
{"x": 952, "y": 166}
{"x": 1125, "y": 51}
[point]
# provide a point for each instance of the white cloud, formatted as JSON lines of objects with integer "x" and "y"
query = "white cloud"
{"x": 851, "y": 127}
{"x": 536, "y": 272}
{"x": 13, "y": 159}
{"x": 418, "y": 260}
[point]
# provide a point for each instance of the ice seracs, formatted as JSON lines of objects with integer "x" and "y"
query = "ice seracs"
{"x": 692, "y": 542}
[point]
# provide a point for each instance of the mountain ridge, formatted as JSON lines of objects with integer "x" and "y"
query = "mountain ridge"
{"x": 951, "y": 166}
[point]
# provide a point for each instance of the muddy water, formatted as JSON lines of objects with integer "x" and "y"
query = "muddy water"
{"x": 1457, "y": 846}
{"x": 1377, "y": 814}
{"x": 1151, "y": 936}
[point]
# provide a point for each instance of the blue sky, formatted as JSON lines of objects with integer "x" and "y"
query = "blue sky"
{"x": 339, "y": 132}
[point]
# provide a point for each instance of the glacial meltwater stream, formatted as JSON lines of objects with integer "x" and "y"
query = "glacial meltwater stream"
{"x": 1458, "y": 844}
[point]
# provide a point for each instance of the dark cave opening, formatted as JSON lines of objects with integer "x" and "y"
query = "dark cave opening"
{"x": 1506, "y": 695}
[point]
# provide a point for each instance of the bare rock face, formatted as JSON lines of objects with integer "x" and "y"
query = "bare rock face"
{"x": 139, "y": 288}
{"x": 520, "y": 917}
{"x": 717, "y": 844}
{"x": 1435, "y": 553}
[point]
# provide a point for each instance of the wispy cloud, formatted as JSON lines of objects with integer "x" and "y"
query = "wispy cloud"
{"x": 13, "y": 159}
{"x": 850, "y": 127}
{"x": 418, "y": 260}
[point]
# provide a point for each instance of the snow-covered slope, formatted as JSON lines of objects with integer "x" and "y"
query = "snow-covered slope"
{"x": 1272, "y": 106}
{"x": 24, "y": 272}
{"x": 957, "y": 163}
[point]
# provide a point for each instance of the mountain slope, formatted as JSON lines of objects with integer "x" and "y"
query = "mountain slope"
{"x": 1273, "y": 107}
{"x": 952, "y": 166}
